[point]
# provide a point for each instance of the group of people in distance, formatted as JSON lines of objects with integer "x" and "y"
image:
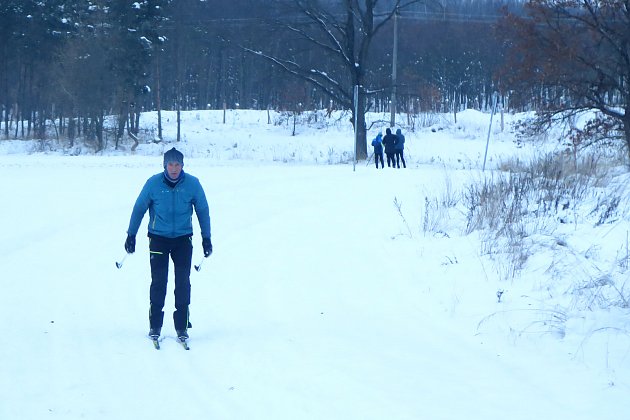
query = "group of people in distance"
{"x": 394, "y": 148}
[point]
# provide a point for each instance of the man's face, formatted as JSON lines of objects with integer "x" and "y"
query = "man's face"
{"x": 174, "y": 169}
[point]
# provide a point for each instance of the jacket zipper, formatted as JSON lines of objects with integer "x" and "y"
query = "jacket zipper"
{"x": 173, "y": 211}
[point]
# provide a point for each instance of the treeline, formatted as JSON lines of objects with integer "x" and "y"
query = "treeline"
{"x": 74, "y": 62}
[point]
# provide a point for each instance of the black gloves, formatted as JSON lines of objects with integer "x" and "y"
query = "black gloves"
{"x": 130, "y": 244}
{"x": 207, "y": 247}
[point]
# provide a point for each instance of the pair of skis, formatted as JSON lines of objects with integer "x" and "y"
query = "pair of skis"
{"x": 182, "y": 341}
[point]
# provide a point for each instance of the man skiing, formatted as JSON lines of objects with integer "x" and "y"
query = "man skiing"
{"x": 170, "y": 197}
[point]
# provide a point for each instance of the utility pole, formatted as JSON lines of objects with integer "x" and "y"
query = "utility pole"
{"x": 392, "y": 107}
{"x": 158, "y": 100}
{"x": 356, "y": 122}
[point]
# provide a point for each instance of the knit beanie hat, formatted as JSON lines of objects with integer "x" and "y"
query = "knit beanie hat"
{"x": 173, "y": 155}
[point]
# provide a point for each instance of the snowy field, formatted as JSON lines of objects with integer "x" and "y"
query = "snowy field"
{"x": 321, "y": 300}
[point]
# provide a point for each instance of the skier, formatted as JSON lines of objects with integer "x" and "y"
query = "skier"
{"x": 170, "y": 197}
{"x": 389, "y": 141}
{"x": 399, "y": 148}
{"x": 378, "y": 150}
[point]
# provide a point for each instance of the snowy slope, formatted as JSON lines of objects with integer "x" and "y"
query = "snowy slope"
{"x": 319, "y": 302}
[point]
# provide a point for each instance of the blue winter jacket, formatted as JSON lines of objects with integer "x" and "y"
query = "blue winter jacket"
{"x": 389, "y": 141}
{"x": 400, "y": 144}
{"x": 378, "y": 144}
{"x": 170, "y": 208}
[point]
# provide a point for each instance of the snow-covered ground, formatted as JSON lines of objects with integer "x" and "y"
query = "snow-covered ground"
{"x": 321, "y": 301}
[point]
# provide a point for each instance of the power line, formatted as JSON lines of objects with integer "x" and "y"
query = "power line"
{"x": 409, "y": 15}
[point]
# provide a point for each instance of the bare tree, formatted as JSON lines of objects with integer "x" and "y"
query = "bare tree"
{"x": 578, "y": 53}
{"x": 342, "y": 33}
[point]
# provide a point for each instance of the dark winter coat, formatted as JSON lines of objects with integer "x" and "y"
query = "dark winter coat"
{"x": 171, "y": 206}
{"x": 389, "y": 141}
{"x": 400, "y": 140}
{"x": 378, "y": 144}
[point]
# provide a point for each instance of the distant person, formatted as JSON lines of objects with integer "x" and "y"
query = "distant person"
{"x": 170, "y": 197}
{"x": 399, "y": 148}
{"x": 378, "y": 150}
{"x": 389, "y": 142}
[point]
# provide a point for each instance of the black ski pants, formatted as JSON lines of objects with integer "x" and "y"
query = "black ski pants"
{"x": 180, "y": 251}
{"x": 400, "y": 156}
{"x": 391, "y": 160}
{"x": 378, "y": 156}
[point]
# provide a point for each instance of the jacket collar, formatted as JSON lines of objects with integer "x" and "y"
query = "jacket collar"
{"x": 173, "y": 182}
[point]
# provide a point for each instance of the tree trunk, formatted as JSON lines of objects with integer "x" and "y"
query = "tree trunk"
{"x": 626, "y": 131}
{"x": 157, "y": 94}
{"x": 136, "y": 128}
{"x": 361, "y": 142}
{"x": 6, "y": 121}
{"x": 71, "y": 130}
{"x": 98, "y": 128}
{"x": 122, "y": 120}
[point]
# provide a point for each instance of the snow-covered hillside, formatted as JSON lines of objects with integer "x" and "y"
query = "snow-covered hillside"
{"x": 325, "y": 297}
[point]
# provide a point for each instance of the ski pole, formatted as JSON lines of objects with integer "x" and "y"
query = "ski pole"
{"x": 198, "y": 266}
{"x": 120, "y": 264}
{"x": 369, "y": 159}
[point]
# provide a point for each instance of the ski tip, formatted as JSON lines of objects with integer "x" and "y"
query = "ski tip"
{"x": 155, "y": 340}
{"x": 156, "y": 343}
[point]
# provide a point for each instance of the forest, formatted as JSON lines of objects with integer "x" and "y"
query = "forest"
{"x": 76, "y": 62}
